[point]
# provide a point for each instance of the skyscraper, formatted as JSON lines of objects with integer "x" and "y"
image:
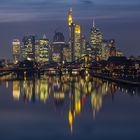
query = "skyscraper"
{"x": 74, "y": 38}
{"x": 119, "y": 53}
{"x": 96, "y": 38}
{"x": 57, "y": 47}
{"x": 83, "y": 45}
{"x": 72, "y": 41}
{"x": 105, "y": 50}
{"x": 112, "y": 47}
{"x": 28, "y": 47}
{"x": 70, "y": 18}
{"x": 77, "y": 42}
{"x": 42, "y": 50}
{"x": 71, "y": 26}
{"x": 16, "y": 50}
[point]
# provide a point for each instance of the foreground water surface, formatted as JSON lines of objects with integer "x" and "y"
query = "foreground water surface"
{"x": 68, "y": 108}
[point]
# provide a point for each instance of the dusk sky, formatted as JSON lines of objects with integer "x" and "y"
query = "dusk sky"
{"x": 116, "y": 19}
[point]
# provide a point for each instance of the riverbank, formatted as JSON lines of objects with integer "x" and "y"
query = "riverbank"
{"x": 124, "y": 81}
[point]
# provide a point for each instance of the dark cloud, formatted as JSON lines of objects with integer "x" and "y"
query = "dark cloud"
{"x": 87, "y": 1}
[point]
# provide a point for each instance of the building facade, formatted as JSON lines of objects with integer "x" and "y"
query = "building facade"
{"x": 42, "y": 50}
{"x": 96, "y": 39}
{"x": 77, "y": 42}
{"x": 57, "y": 47}
{"x": 16, "y": 49}
{"x": 28, "y": 47}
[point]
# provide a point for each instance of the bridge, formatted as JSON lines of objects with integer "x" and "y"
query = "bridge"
{"x": 81, "y": 66}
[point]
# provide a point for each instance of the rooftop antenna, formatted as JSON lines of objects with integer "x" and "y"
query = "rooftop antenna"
{"x": 94, "y": 25}
{"x": 44, "y": 36}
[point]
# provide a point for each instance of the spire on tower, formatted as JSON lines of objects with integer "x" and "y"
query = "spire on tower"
{"x": 44, "y": 36}
{"x": 94, "y": 25}
{"x": 70, "y": 9}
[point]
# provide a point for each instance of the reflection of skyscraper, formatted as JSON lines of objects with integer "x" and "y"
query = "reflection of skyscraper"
{"x": 75, "y": 102}
{"x": 43, "y": 92}
{"x": 27, "y": 90}
{"x": 58, "y": 92}
{"x": 16, "y": 50}
{"x": 77, "y": 98}
{"x": 71, "y": 113}
{"x": 97, "y": 96}
{"x": 16, "y": 90}
{"x": 75, "y": 90}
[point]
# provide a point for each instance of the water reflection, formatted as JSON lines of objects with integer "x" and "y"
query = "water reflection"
{"x": 73, "y": 90}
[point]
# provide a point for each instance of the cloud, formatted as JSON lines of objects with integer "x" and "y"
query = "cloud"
{"x": 28, "y": 10}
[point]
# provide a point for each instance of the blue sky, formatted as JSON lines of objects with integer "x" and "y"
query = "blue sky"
{"x": 118, "y": 19}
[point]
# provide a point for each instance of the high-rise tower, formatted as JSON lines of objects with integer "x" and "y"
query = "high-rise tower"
{"x": 71, "y": 34}
{"x": 57, "y": 47}
{"x": 77, "y": 42}
{"x": 96, "y": 36}
{"x": 28, "y": 48}
{"x": 42, "y": 49}
{"x": 74, "y": 38}
{"x": 70, "y": 18}
{"x": 96, "y": 39}
{"x": 16, "y": 50}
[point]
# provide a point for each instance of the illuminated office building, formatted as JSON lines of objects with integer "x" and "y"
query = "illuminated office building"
{"x": 112, "y": 47}
{"x": 83, "y": 45}
{"x": 71, "y": 35}
{"x": 42, "y": 50}
{"x": 72, "y": 42}
{"x": 70, "y": 18}
{"x": 119, "y": 53}
{"x": 74, "y": 38}
{"x": 88, "y": 50}
{"x": 96, "y": 38}
{"x": 28, "y": 47}
{"x": 66, "y": 53}
{"x": 16, "y": 50}
{"x": 77, "y": 42}
{"x": 105, "y": 50}
{"x": 57, "y": 47}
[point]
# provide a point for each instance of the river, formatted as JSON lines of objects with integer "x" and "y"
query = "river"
{"x": 68, "y": 108}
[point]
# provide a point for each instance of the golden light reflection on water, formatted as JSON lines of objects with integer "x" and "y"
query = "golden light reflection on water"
{"x": 77, "y": 89}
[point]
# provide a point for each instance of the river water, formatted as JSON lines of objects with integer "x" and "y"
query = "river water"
{"x": 68, "y": 108}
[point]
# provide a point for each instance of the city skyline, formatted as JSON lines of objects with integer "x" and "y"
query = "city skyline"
{"x": 42, "y": 50}
{"x": 43, "y": 17}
